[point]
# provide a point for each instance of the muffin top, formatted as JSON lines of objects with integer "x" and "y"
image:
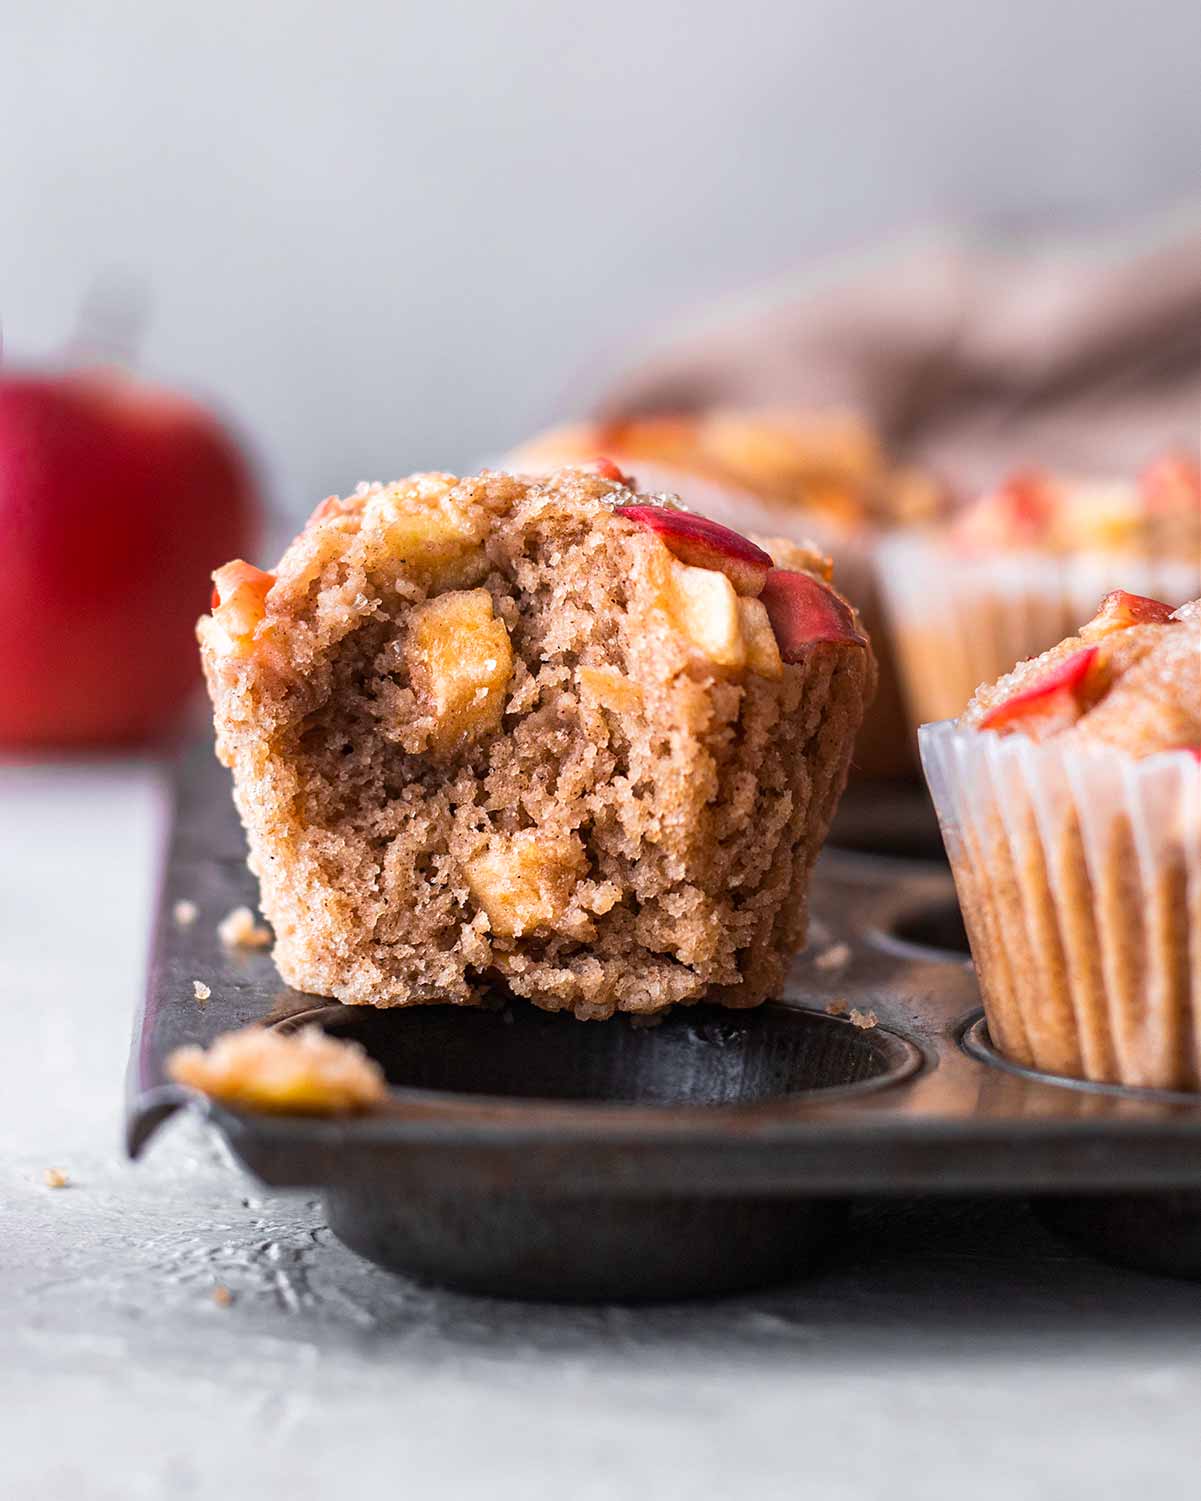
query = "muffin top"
{"x": 829, "y": 463}
{"x": 723, "y": 599}
{"x": 1131, "y": 678}
{"x": 1158, "y": 514}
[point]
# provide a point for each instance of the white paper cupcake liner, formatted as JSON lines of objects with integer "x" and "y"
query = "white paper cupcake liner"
{"x": 1079, "y": 874}
{"x": 958, "y": 621}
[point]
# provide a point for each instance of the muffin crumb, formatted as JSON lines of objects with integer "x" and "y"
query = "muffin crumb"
{"x": 239, "y": 930}
{"x": 56, "y": 1178}
{"x": 864, "y": 1020}
{"x": 837, "y": 956}
{"x": 837, "y": 1007}
{"x": 289, "y": 1073}
{"x": 201, "y": 991}
{"x": 222, "y": 1296}
{"x": 185, "y": 913}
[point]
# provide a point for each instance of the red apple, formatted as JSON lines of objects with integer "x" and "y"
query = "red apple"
{"x": 704, "y": 544}
{"x": 117, "y": 499}
{"x": 805, "y": 612}
{"x": 1054, "y": 702}
{"x": 1119, "y": 610}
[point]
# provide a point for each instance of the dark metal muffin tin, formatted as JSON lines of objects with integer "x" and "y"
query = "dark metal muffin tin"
{"x": 528, "y": 1154}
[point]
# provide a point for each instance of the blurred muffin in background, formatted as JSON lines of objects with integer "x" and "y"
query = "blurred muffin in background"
{"x": 1008, "y": 576}
{"x": 819, "y": 477}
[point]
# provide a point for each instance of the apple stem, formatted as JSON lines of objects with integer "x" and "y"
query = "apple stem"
{"x": 110, "y": 327}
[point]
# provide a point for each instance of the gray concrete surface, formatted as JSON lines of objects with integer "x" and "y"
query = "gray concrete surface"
{"x": 948, "y": 1350}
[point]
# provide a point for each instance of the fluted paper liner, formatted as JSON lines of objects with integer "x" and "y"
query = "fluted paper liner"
{"x": 1079, "y": 874}
{"x": 959, "y": 620}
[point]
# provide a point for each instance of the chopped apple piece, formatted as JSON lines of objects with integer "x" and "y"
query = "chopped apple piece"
{"x": 704, "y": 544}
{"x": 1055, "y": 702}
{"x": 762, "y": 649}
{"x": 460, "y": 661}
{"x": 705, "y": 608}
{"x": 611, "y": 689}
{"x": 525, "y": 879}
{"x": 1119, "y": 610}
{"x": 240, "y": 601}
{"x": 334, "y": 505}
{"x": 420, "y": 524}
{"x": 607, "y": 469}
{"x": 805, "y": 612}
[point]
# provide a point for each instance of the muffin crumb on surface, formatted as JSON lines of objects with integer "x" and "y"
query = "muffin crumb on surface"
{"x": 295, "y": 1073}
{"x": 239, "y": 930}
{"x": 200, "y": 990}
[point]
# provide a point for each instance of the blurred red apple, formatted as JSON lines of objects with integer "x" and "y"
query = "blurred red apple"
{"x": 117, "y": 500}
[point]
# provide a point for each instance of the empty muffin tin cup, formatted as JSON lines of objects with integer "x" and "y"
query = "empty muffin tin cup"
{"x": 644, "y": 1245}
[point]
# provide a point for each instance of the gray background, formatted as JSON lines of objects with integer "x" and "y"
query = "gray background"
{"x": 400, "y": 235}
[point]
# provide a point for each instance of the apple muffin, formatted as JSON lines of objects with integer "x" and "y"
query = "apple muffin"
{"x": 536, "y": 731}
{"x": 819, "y": 477}
{"x": 1069, "y": 795}
{"x": 1013, "y": 572}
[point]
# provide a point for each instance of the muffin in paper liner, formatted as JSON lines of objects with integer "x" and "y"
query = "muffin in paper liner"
{"x": 1079, "y": 873}
{"x": 960, "y": 619}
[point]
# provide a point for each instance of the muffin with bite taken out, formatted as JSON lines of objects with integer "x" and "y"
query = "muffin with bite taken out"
{"x": 821, "y": 478}
{"x": 544, "y": 733}
{"x": 1069, "y": 795}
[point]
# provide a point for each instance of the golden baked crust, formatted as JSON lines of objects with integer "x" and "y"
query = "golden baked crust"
{"x": 495, "y": 729}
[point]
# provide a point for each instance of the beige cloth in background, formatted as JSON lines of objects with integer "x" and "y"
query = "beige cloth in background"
{"x": 1085, "y": 358}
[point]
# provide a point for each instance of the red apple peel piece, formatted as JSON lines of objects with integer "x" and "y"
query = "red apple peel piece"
{"x": 1120, "y": 610}
{"x": 607, "y": 469}
{"x": 804, "y": 612}
{"x": 1054, "y": 702}
{"x": 702, "y": 543}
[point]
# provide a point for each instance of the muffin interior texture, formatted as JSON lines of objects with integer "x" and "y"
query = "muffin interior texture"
{"x": 489, "y": 730}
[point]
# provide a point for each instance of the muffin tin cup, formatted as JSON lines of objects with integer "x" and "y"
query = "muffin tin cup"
{"x": 1079, "y": 875}
{"x": 959, "y": 620}
{"x": 526, "y": 1154}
